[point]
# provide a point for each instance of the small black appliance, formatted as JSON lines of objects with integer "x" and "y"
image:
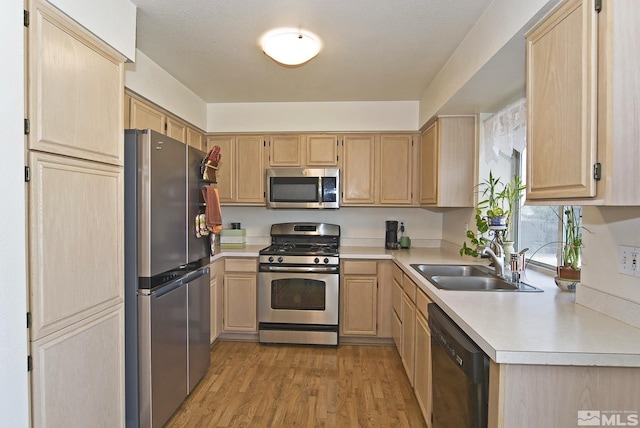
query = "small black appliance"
{"x": 391, "y": 235}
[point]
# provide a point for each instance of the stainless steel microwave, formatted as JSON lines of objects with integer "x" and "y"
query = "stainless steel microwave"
{"x": 303, "y": 188}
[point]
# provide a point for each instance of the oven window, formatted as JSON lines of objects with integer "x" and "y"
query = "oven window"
{"x": 294, "y": 189}
{"x": 298, "y": 294}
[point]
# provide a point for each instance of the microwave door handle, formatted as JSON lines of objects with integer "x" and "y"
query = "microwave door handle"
{"x": 320, "y": 189}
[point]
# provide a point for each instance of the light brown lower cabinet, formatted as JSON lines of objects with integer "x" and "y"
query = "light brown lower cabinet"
{"x": 422, "y": 385}
{"x": 359, "y": 292}
{"x": 396, "y": 304}
{"x": 215, "y": 282}
{"x": 408, "y": 337}
{"x": 532, "y": 396}
{"x": 78, "y": 373}
{"x": 240, "y": 295}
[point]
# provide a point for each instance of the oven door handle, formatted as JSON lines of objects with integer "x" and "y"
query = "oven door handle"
{"x": 305, "y": 269}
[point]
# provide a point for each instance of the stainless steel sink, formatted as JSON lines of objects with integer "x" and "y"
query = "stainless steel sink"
{"x": 468, "y": 278}
{"x": 451, "y": 270}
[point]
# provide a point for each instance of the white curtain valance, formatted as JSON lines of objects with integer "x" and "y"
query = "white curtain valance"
{"x": 506, "y": 131}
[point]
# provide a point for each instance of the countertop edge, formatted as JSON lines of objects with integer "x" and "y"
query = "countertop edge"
{"x": 499, "y": 354}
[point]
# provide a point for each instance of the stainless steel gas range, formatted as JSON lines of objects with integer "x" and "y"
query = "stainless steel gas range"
{"x": 299, "y": 284}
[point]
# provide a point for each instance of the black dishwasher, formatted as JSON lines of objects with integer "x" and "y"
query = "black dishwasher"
{"x": 460, "y": 375}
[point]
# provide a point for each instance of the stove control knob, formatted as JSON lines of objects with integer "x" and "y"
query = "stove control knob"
{"x": 326, "y": 261}
{"x": 316, "y": 260}
{"x": 280, "y": 259}
{"x": 270, "y": 259}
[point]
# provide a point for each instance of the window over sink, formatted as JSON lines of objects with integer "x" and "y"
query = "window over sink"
{"x": 503, "y": 151}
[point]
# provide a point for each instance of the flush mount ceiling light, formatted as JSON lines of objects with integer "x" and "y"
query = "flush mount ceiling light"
{"x": 290, "y": 46}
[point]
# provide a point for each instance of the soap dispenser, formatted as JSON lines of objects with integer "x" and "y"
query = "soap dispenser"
{"x": 405, "y": 242}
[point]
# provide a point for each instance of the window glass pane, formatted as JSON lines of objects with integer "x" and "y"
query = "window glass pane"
{"x": 539, "y": 231}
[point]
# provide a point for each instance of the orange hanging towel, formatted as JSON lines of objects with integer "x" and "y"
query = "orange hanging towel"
{"x": 212, "y": 212}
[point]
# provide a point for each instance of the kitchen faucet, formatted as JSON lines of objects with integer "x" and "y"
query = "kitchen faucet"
{"x": 497, "y": 256}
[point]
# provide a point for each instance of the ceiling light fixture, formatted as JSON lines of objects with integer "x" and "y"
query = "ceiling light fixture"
{"x": 290, "y": 46}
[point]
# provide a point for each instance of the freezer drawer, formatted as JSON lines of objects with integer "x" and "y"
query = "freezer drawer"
{"x": 162, "y": 349}
{"x": 199, "y": 329}
{"x": 173, "y": 344}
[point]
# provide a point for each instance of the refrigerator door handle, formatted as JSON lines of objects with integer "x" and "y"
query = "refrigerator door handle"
{"x": 161, "y": 291}
{"x": 195, "y": 275}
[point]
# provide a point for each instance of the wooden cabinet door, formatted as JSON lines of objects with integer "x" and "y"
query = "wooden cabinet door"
{"x": 396, "y": 298}
{"x": 396, "y": 332}
{"x": 76, "y": 90}
{"x": 76, "y": 240}
{"x": 322, "y": 150}
{"x": 422, "y": 384}
{"x": 395, "y": 172}
{"x": 358, "y": 170}
{"x": 360, "y": 303}
{"x": 226, "y": 167}
{"x": 176, "y": 130}
{"x": 285, "y": 150}
{"x": 447, "y": 162}
{"x": 195, "y": 139}
{"x": 144, "y": 116}
{"x": 408, "y": 336}
{"x": 561, "y": 103}
{"x": 250, "y": 171}
{"x": 215, "y": 296}
{"x": 78, "y": 373}
{"x": 396, "y": 303}
{"x": 240, "y": 306}
{"x": 429, "y": 165}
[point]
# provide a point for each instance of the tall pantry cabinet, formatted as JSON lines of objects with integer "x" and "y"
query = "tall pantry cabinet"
{"x": 75, "y": 223}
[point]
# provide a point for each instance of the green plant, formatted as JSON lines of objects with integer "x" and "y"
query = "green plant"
{"x": 476, "y": 239}
{"x": 491, "y": 190}
{"x": 497, "y": 199}
{"x": 572, "y": 237}
{"x": 511, "y": 194}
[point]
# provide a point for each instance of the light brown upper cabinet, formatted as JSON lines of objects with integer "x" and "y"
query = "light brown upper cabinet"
{"x": 378, "y": 169}
{"x": 241, "y": 171}
{"x": 195, "y": 139}
{"x": 303, "y": 150}
{"x": 395, "y": 177}
{"x": 142, "y": 114}
{"x": 286, "y": 150}
{"x": 322, "y": 150}
{"x": 176, "y": 130}
{"x": 582, "y": 104}
{"x": 447, "y": 162}
{"x": 358, "y": 169}
{"x": 77, "y": 97}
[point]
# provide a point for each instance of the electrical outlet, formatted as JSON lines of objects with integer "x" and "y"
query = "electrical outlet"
{"x": 629, "y": 260}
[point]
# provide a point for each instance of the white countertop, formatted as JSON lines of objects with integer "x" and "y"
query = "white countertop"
{"x": 514, "y": 328}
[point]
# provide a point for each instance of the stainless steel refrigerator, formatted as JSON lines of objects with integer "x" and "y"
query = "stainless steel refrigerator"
{"x": 167, "y": 309}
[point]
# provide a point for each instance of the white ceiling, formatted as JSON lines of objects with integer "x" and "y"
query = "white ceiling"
{"x": 374, "y": 50}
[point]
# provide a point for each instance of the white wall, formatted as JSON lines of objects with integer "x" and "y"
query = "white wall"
{"x": 313, "y": 116}
{"x": 495, "y": 28}
{"x": 604, "y": 289}
{"x": 114, "y": 21}
{"x": 14, "y": 398}
{"x": 359, "y": 226}
{"x": 146, "y": 78}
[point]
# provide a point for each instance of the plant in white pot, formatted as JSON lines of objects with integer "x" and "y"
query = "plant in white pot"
{"x": 494, "y": 212}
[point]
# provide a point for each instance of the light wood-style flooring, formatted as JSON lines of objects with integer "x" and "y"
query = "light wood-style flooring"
{"x": 253, "y": 385}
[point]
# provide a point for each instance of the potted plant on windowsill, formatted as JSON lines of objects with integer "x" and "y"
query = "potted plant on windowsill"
{"x": 569, "y": 271}
{"x": 494, "y": 212}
